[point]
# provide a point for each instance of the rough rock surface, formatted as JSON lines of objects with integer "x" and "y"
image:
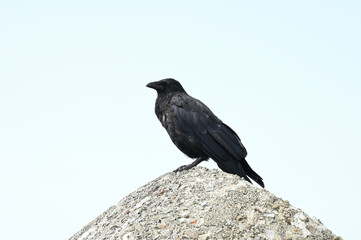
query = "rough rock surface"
{"x": 203, "y": 204}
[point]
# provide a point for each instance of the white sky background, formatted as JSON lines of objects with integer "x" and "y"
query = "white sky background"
{"x": 77, "y": 125}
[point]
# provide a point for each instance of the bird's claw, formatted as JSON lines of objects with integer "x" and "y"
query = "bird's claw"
{"x": 182, "y": 168}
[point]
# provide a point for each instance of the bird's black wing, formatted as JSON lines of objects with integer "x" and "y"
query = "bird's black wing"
{"x": 218, "y": 140}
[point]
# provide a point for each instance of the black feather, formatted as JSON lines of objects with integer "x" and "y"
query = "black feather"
{"x": 198, "y": 133}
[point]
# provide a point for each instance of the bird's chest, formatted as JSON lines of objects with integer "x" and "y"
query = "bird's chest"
{"x": 166, "y": 118}
{"x": 185, "y": 141}
{"x": 169, "y": 121}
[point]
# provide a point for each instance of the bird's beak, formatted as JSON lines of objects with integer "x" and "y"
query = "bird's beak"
{"x": 155, "y": 85}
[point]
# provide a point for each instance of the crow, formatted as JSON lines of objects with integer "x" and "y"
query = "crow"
{"x": 198, "y": 133}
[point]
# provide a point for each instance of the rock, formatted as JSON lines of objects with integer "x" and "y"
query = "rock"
{"x": 203, "y": 204}
{"x": 191, "y": 233}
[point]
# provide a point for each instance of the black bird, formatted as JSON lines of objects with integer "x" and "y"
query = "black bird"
{"x": 198, "y": 133}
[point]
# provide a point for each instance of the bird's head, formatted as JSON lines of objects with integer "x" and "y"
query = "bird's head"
{"x": 167, "y": 85}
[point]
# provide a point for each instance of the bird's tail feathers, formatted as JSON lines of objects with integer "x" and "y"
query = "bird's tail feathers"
{"x": 252, "y": 174}
{"x": 239, "y": 173}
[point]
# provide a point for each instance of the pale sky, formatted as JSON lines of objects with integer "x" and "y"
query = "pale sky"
{"x": 77, "y": 125}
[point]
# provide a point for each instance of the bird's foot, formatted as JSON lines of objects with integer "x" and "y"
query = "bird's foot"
{"x": 189, "y": 166}
{"x": 183, "y": 168}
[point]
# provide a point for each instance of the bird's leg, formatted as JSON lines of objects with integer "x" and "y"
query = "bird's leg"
{"x": 189, "y": 166}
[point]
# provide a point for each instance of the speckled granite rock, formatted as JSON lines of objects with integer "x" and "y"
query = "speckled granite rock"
{"x": 203, "y": 204}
